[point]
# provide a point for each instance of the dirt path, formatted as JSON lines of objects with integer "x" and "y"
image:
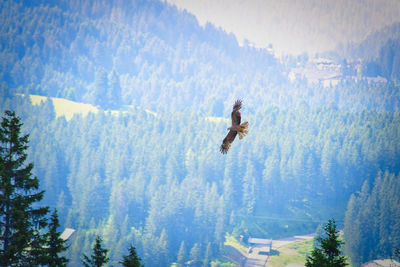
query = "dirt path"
{"x": 285, "y": 241}
{"x": 257, "y": 259}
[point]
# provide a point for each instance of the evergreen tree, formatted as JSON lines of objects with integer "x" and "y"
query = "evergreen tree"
{"x": 355, "y": 220}
{"x": 21, "y": 242}
{"x": 208, "y": 255}
{"x": 317, "y": 259}
{"x": 100, "y": 88}
{"x": 328, "y": 254}
{"x": 396, "y": 253}
{"x": 114, "y": 91}
{"x": 195, "y": 252}
{"x": 131, "y": 260}
{"x": 373, "y": 231}
{"x": 182, "y": 254}
{"x": 99, "y": 256}
{"x": 55, "y": 244}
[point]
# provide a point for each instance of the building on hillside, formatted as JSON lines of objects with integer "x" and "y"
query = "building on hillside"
{"x": 263, "y": 246}
{"x": 193, "y": 263}
{"x": 382, "y": 263}
{"x": 67, "y": 233}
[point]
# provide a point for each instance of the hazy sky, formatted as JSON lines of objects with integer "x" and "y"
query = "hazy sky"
{"x": 295, "y": 26}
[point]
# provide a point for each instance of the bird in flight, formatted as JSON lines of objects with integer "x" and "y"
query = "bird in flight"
{"x": 235, "y": 129}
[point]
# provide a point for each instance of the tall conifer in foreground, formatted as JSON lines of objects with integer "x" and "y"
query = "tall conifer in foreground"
{"x": 99, "y": 256}
{"x": 328, "y": 253}
{"x": 131, "y": 260}
{"x": 55, "y": 244}
{"x": 21, "y": 242}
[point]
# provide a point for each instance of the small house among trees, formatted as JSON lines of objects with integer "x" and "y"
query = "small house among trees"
{"x": 266, "y": 244}
{"x": 382, "y": 263}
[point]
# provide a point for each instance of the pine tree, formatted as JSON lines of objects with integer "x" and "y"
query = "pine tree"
{"x": 100, "y": 88}
{"x": 351, "y": 230}
{"x": 114, "y": 91}
{"x": 132, "y": 260}
{"x": 375, "y": 228}
{"x": 328, "y": 254}
{"x": 195, "y": 252}
{"x": 182, "y": 254}
{"x": 208, "y": 255}
{"x": 99, "y": 256}
{"x": 21, "y": 241}
{"x": 317, "y": 259}
{"x": 55, "y": 244}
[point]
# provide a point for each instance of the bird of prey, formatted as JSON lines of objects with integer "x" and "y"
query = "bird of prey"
{"x": 235, "y": 129}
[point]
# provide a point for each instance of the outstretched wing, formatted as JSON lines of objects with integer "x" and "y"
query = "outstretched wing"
{"x": 235, "y": 115}
{"x": 226, "y": 143}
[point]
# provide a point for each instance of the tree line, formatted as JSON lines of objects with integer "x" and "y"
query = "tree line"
{"x": 387, "y": 64}
{"x": 28, "y": 236}
{"x": 23, "y": 241}
{"x": 152, "y": 175}
{"x": 371, "y": 226}
{"x": 158, "y": 181}
{"x": 119, "y": 53}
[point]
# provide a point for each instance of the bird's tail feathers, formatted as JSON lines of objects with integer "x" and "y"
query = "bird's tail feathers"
{"x": 243, "y": 130}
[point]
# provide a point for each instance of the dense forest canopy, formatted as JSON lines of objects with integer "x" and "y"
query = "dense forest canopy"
{"x": 145, "y": 169}
{"x": 160, "y": 178}
{"x": 377, "y": 204}
{"x": 370, "y": 47}
{"x": 115, "y": 53}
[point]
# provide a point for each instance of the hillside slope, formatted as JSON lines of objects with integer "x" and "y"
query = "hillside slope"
{"x": 149, "y": 54}
{"x": 160, "y": 181}
{"x": 116, "y": 53}
{"x": 294, "y": 27}
{"x": 64, "y": 107}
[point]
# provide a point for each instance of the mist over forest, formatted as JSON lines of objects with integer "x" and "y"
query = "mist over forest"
{"x": 140, "y": 162}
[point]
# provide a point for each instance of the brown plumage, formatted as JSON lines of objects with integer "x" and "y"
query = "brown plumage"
{"x": 235, "y": 129}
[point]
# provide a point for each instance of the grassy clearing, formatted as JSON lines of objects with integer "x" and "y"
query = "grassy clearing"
{"x": 222, "y": 263}
{"x": 68, "y": 109}
{"x": 292, "y": 254}
{"x": 217, "y": 119}
{"x": 64, "y": 107}
{"x": 303, "y": 248}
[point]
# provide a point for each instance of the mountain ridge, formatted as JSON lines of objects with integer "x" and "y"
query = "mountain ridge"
{"x": 296, "y": 27}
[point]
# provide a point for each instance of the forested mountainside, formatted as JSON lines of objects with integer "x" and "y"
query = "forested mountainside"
{"x": 147, "y": 53}
{"x": 75, "y": 49}
{"x": 369, "y": 48}
{"x": 379, "y": 53}
{"x": 158, "y": 180}
{"x": 371, "y": 221}
{"x": 387, "y": 64}
{"x": 296, "y": 27}
{"x": 146, "y": 168}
